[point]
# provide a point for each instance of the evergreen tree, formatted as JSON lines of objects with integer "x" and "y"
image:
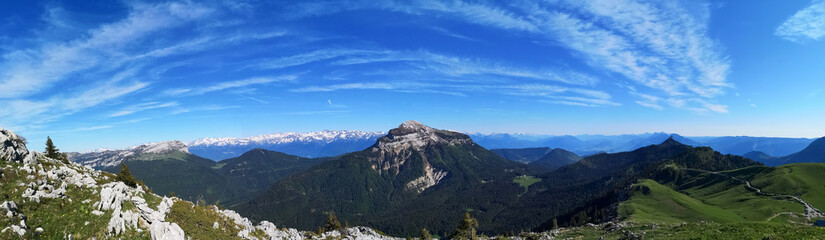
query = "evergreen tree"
{"x": 54, "y": 153}
{"x": 51, "y": 150}
{"x": 425, "y": 235}
{"x": 466, "y": 229}
{"x": 125, "y": 176}
{"x": 332, "y": 223}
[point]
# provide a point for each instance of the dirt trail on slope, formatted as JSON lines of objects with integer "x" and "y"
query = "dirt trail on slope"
{"x": 810, "y": 210}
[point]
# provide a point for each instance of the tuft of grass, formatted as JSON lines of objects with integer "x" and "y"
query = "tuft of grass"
{"x": 152, "y": 200}
{"x": 197, "y": 221}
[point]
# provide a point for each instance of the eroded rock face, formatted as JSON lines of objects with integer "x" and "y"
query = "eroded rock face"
{"x": 13, "y": 148}
{"x": 410, "y": 138}
{"x": 430, "y": 178}
{"x": 411, "y": 141}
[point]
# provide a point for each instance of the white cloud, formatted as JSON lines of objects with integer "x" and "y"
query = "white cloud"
{"x": 142, "y": 107}
{"x": 202, "y": 108}
{"x": 649, "y": 101}
{"x": 27, "y": 113}
{"x": 557, "y": 94}
{"x": 661, "y": 45}
{"x": 29, "y": 71}
{"x": 462, "y": 67}
{"x": 228, "y": 85}
{"x": 310, "y": 57}
{"x": 806, "y": 24}
{"x": 347, "y": 86}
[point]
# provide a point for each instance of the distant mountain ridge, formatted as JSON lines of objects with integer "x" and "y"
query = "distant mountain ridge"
{"x": 104, "y": 158}
{"x": 813, "y": 153}
{"x": 592, "y": 144}
{"x": 555, "y": 159}
{"x": 524, "y": 155}
{"x": 325, "y": 143}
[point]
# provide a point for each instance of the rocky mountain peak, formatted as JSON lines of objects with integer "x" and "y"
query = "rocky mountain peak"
{"x": 414, "y": 125}
{"x": 413, "y": 134}
{"x": 411, "y": 137}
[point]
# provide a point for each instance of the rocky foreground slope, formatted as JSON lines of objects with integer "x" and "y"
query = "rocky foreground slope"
{"x": 46, "y": 198}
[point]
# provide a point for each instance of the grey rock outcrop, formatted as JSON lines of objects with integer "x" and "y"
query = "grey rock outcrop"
{"x": 166, "y": 231}
{"x": 13, "y": 148}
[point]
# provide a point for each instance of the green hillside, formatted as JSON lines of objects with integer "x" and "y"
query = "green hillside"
{"x": 229, "y": 181}
{"x": 257, "y": 169}
{"x": 188, "y": 176}
{"x": 723, "y": 197}
{"x": 653, "y": 202}
{"x": 801, "y": 179}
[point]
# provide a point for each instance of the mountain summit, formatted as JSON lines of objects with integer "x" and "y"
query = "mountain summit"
{"x": 410, "y": 138}
{"x": 390, "y": 183}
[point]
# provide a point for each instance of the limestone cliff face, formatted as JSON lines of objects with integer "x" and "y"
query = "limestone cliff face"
{"x": 413, "y": 138}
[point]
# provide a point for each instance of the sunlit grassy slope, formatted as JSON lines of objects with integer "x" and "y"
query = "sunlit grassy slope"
{"x": 719, "y": 198}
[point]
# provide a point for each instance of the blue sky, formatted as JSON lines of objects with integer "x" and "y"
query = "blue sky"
{"x": 116, "y": 73}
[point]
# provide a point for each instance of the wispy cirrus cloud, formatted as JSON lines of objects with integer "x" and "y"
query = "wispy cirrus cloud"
{"x": 545, "y": 93}
{"x": 23, "y": 114}
{"x": 43, "y": 77}
{"x": 662, "y": 46}
{"x": 228, "y": 85}
{"x": 29, "y": 71}
{"x": 423, "y": 60}
{"x": 202, "y": 108}
{"x": 142, "y": 107}
{"x": 806, "y": 24}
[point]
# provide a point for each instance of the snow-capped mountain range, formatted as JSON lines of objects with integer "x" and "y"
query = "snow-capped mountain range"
{"x": 311, "y": 144}
{"x": 102, "y": 158}
{"x": 326, "y": 136}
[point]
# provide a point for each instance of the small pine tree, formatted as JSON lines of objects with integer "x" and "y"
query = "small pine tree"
{"x": 332, "y": 223}
{"x": 555, "y": 223}
{"x": 425, "y": 235}
{"x": 466, "y": 229}
{"x": 125, "y": 176}
{"x": 54, "y": 153}
{"x": 51, "y": 150}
